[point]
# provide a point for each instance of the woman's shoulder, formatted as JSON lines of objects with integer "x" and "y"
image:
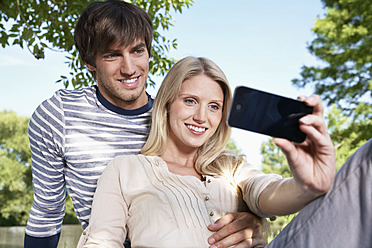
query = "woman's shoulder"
{"x": 133, "y": 161}
{"x": 134, "y": 157}
{"x": 135, "y": 169}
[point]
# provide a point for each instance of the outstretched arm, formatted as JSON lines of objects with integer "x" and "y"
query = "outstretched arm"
{"x": 312, "y": 164}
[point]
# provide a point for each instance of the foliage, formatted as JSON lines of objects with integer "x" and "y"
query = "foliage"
{"x": 344, "y": 79}
{"x": 273, "y": 160}
{"x": 277, "y": 225}
{"x": 346, "y": 136}
{"x": 16, "y": 192}
{"x": 347, "y": 132}
{"x": 70, "y": 216}
{"x": 231, "y": 146}
{"x": 15, "y": 171}
{"x": 344, "y": 130}
{"x": 49, "y": 24}
{"x": 343, "y": 44}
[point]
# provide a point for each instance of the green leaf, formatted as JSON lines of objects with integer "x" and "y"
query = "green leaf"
{"x": 41, "y": 24}
{"x": 343, "y": 45}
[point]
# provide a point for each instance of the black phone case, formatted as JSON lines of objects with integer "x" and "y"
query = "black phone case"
{"x": 268, "y": 114}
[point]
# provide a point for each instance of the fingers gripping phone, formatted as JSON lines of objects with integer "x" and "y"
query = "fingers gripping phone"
{"x": 268, "y": 114}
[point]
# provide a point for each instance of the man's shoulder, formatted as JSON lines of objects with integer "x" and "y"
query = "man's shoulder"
{"x": 76, "y": 94}
{"x": 56, "y": 104}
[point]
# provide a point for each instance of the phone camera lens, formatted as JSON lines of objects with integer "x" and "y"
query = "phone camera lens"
{"x": 238, "y": 107}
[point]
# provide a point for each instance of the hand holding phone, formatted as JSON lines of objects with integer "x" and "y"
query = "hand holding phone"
{"x": 267, "y": 113}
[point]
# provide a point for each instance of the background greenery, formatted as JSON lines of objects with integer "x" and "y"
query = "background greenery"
{"x": 38, "y": 25}
{"x": 342, "y": 43}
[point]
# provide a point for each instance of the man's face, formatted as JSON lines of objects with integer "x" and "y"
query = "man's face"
{"x": 121, "y": 74}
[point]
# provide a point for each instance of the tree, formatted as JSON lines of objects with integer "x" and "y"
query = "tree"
{"x": 49, "y": 24}
{"x": 273, "y": 160}
{"x": 231, "y": 146}
{"x": 343, "y": 44}
{"x": 345, "y": 134}
{"x": 16, "y": 191}
{"x": 15, "y": 172}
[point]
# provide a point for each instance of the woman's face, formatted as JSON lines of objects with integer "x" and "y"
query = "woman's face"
{"x": 196, "y": 113}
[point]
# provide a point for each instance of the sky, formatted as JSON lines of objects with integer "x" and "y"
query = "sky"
{"x": 257, "y": 43}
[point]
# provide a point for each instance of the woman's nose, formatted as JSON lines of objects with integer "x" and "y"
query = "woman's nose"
{"x": 200, "y": 115}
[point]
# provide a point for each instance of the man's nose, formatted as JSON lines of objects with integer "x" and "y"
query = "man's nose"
{"x": 128, "y": 66}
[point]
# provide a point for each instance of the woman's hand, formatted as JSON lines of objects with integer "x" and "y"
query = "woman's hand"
{"x": 312, "y": 162}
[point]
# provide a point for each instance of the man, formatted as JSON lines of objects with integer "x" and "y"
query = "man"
{"x": 74, "y": 134}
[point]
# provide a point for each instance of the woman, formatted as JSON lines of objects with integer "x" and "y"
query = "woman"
{"x": 184, "y": 180}
{"x": 173, "y": 181}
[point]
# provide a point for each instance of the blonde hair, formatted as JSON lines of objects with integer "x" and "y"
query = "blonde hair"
{"x": 211, "y": 158}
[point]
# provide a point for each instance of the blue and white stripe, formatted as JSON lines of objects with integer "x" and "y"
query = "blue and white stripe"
{"x": 73, "y": 136}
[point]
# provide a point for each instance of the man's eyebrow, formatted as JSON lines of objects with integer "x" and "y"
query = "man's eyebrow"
{"x": 111, "y": 50}
{"x": 135, "y": 47}
{"x": 138, "y": 46}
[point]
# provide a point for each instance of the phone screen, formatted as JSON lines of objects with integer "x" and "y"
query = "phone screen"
{"x": 268, "y": 114}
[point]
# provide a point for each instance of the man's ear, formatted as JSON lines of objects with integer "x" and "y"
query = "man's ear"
{"x": 89, "y": 66}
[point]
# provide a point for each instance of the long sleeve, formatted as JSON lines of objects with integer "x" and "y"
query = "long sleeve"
{"x": 46, "y": 135}
{"x": 107, "y": 223}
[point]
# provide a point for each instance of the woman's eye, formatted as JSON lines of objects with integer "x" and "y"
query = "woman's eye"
{"x": 189, "y": 101}
{"x": 214, "y": 107}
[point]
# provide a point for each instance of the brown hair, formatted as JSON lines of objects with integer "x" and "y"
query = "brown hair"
{"x": 105, "y": 24}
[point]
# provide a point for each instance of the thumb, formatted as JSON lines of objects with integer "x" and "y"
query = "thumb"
{"x": 287, "y": 147}
{"x": 221, "y": 222}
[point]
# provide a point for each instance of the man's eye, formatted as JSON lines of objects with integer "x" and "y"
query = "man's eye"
{"x": 139, "y": 51}
{"x": 110, "y": 56}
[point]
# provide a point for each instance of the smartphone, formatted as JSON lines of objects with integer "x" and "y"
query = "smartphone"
{"x": 267, "y": 113}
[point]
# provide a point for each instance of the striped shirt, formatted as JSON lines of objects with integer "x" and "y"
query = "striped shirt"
{"x": 73, "y": 136}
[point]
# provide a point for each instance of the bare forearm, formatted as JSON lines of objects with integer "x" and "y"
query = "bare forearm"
{"x": 283, "y": 197}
